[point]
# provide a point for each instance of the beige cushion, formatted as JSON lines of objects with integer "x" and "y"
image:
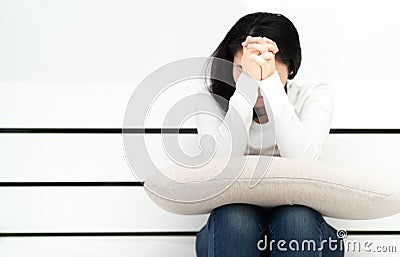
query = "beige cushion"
{"x": 334, "y": 190}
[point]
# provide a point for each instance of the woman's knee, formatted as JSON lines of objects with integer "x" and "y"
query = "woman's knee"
{"x": 296, "y": 221}
{"x": 296, "y": 216}
{"x": 306, "y": 227}
{"x": 238, "y": 218}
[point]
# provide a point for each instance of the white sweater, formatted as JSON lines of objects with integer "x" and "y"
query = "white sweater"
{"x": 301, "y": 120}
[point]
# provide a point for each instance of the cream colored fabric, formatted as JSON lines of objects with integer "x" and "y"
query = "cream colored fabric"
{"x": 334, "y": 190}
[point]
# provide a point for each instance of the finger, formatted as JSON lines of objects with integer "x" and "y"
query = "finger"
{"x": 260, "y": 61}
{"x": 248, "y": 51}
{"x": 260, "y": 40}
{"x": 270, "y": 41}
{"x": 263, "y": 48}
{"x": 273, "y": 49}
{"x": 247, "y": 40}
{"x": 250, "y": 39}
{"x": 267, "y": 56}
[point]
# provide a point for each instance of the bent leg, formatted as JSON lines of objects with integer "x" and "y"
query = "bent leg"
{"x": 233, "y": 230}
{"x": 303, "y": 233}
{"x": 202, "y": 242}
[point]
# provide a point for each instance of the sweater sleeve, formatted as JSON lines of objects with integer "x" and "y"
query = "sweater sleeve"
{"x": 223, "y": 133}
{"x": 303, "y": 136}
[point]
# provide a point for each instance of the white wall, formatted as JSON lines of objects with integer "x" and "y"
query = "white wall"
{"x": 117, "y": 43}
{"x": 75, "y": 63}
{"x": 352, "y": 42}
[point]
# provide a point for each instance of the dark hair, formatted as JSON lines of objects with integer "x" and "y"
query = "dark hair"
{"x": 273, "y": 26}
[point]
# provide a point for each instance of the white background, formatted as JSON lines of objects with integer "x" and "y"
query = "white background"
{"x": 76, "y": 63}
{"x": 85, "y": 58}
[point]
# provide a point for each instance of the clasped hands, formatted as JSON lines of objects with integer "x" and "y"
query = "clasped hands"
{"x": 258, "y": 61}
{"x": 258, "y": 58}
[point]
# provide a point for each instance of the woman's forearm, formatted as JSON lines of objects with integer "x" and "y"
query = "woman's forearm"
{"x": 229, "y": 135}
{"x": 302, "y": 136}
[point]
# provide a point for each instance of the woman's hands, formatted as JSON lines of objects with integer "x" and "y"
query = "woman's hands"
{"x": 249, "y": 65}
{"x": 258, "y": 59}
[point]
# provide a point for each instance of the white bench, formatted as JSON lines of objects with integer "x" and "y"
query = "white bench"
{"x": 73, "y": 194}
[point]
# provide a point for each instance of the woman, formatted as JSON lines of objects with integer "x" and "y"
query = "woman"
{"x": 265, "y": 47}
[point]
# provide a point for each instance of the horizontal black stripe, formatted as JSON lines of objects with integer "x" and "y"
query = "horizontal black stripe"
{"x": 138, "y": 131}
{"x": 100, "y": 130}
{"x": 169, "y": 130}
{"x": 372, "y": 232}
{"x": 71, "y": 184}
{"x": 166, "y": 233}
{"x": 364, "y": 131}
{"x": 75, "y": 234}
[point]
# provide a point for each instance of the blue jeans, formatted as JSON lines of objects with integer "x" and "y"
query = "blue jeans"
{"x": 247, "y": 230}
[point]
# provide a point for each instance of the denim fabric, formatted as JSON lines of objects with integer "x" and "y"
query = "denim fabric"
{"x": 247, "y": 230}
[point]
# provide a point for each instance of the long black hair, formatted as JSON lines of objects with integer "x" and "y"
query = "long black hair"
{"x": 273, "y": 26}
